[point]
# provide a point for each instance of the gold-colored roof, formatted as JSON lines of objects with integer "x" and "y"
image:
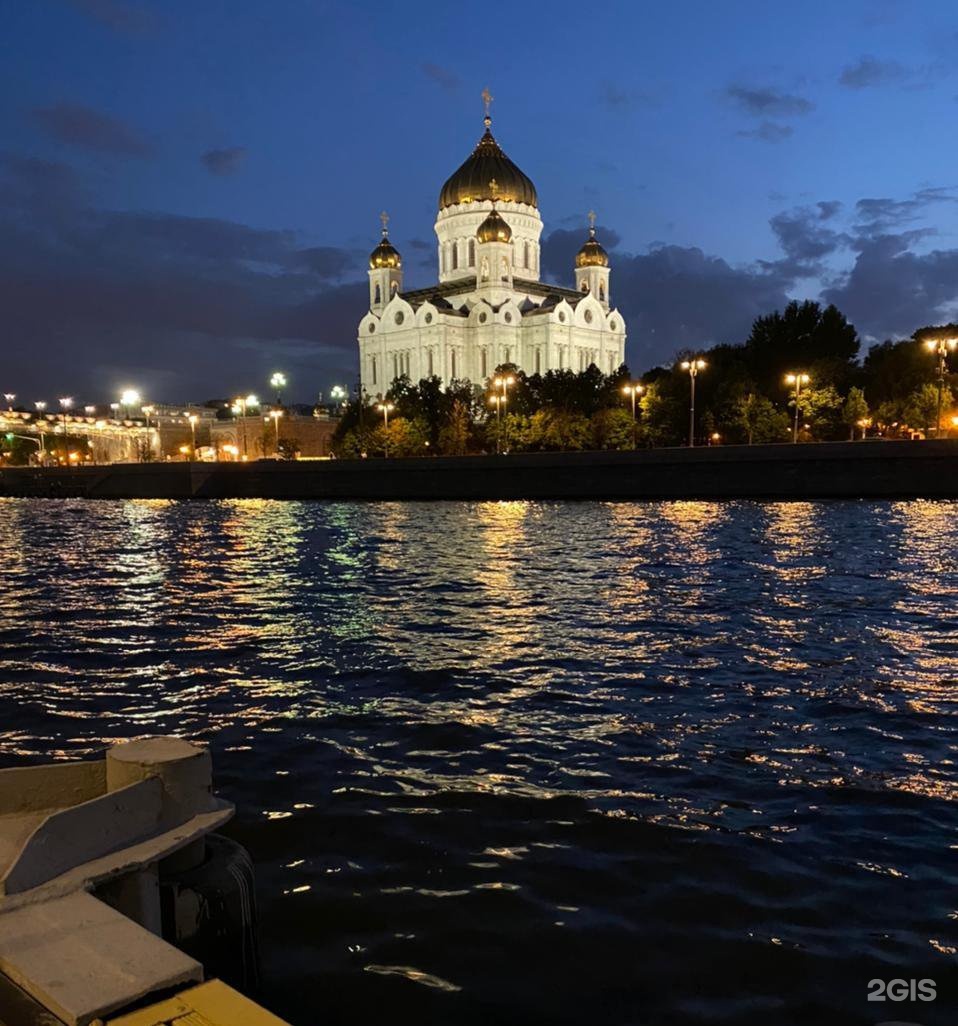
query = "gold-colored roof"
{"x": 488, "y": 163}
{"x": 592, "y": 254}
{"x": 494, "y": 228}
{"x": 385, "y": 255}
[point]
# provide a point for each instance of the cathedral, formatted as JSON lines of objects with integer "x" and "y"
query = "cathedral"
{"x": 489, "y": 306}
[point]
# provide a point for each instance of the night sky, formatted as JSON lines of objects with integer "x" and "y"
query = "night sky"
{"x": 189, "y": 190}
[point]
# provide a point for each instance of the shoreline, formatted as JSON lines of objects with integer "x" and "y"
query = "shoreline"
{"x": 817, "y": 470}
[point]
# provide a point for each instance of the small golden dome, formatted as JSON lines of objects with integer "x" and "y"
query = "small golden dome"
{"x": 470, "y": 183}
{"x": 592, "y": 254}
{"x": 494, "y": 229}
{"x": 385, "y": 255}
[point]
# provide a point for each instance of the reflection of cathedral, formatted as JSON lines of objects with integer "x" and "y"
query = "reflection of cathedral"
{"x": 489, "y": 306}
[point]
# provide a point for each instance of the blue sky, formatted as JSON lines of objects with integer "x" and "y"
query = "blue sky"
{"x": 189, "y": 191}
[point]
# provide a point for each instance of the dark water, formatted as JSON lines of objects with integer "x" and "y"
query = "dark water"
{"x": 533, "y": 763}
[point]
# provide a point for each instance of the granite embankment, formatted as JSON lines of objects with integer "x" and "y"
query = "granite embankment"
{"x": 836, "y": 470}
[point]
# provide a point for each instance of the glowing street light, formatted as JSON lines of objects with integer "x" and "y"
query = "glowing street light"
{"x": 192, "y": 418}
{"x": 338, "y": 394}
{"x": 633, "y": 390}
{"x": 9, "y": 396}
{"x": 65, "y": 403}
{"x": 147, "y": 410}
{"x": 942, "y": 347}
{"x": 276, "y": 414}
{"x": 278, "y": 382}
{"x": 386, "y": 408}
{"x": 693, "y": 367}
{"x": 796, "y": 380}
{"x": 501, "y": 382}
{"x": 129, "y": 398}
{"x": 240, "y": 407}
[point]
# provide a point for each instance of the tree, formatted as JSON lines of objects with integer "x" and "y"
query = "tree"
{"x": 403, "y": 437}
{"x": 559, "y": 430}
{"x": 453, "y": 439}
{"x": 758, "y": 417}
{"x": 855, "y": 412}
{"x": 612, "y": 429}
{"x": 921, "y": 407}
{"x": 821, "y": 409}
{"x": 664, "y": 418}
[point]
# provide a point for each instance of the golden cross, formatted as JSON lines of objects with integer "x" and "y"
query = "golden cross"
{"x": 487, "y": 99}
{"x": 384, "y": 217}
{"x": 592, "y": 219}
{"x": 494, "y": 189}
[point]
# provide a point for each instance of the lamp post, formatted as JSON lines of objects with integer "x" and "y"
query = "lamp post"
{"x": 276, "y": 414}
{"x": 634, "y": 391}
{"x": 128, "y": 399}
{"x": 147, "y": 411}
{"x": 386, "y": 408}
{"x": 65, "y": 403}
{"x": 192, "y": 418}
{"x": 9, "y": 396}
{"x": 693, "y": 367}
{"x": 240, "y": 406}
{"x": 278, "y": 382}
{"x": 502, "y": 382}
{"x": 40, "y": 406}
{"x": 941, "y": 347}
{"x": 796, "y": 380}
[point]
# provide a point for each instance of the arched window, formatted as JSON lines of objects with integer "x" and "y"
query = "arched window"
{"x": 525, "y": 262}
{"x": 374, "y": 370}
{"x": 505, "y": 269}
{"x": 601, "y": 291}
{"x": 484, "y": 273}
{"x": 430, "y": 363}
{"x": 482, "y": 360}
{"x": 452, "y": 363}
{"x": 379, "y": 294}
{"x": 455, "y": 256}
{"x": 538, "y": 361}
{"x": 472, "y": 252}
{"x": 394, "y": 288}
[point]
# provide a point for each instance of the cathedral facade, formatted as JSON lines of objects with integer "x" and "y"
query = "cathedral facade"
{"x": 489, "y": 306}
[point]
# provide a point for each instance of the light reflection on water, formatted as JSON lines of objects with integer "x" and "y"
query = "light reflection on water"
{"x": 675, "y": 754}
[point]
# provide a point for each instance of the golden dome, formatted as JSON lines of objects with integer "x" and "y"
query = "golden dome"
{"x": 494, "y": 229}
{"x": 385, "y": 255}
{"x": 592, "y": 254}
{"x": 486, "y": 164}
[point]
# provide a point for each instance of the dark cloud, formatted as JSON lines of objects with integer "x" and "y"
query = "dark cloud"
{"x": 765, "y": 101}
{"x": 768, "y": 131}
{"x": 806, "y": 237}
{"x": 892, "y": 290}
{"x": 618, "y": 99}
{"x": 876, "y": 216}
{"x": 119, "y": 16}
{"x": 449, "y": 80}
{"x": 186, "y": 306}
{"x": 225, "y": 161}
{"x": 90, "y": 129}
{"x": 674, "y": 297}
{"x": 869, "y": 71}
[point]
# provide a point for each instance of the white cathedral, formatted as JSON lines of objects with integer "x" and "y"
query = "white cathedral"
{"x": 489, "y": 306}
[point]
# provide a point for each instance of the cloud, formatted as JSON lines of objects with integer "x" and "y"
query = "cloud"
{"x": 892, "y": 290}
{"x": 90, "y": 129}
{"x": 190, "y": 306}
{"x": 869, "y": 71}
{"x": 119, "y": 16}
{"x": 768, "y": 131}
{"x": 618, "y": 99}
{"x": 443, "y": 77}
{"x": 876, "y": 216}
{"x": 224, "y": 162}
{"x": 806, "y": 237}
{"x": 765, "y": 101}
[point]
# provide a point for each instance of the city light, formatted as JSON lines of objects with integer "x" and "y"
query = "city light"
{"x": 693, "y": 367}
{"x": 942, "y": 347}
{"x": 278, "y": 383}
{"x": 634, "y": 390}
{"x": 796, "y": 380}
{"x": 9, "y": 396}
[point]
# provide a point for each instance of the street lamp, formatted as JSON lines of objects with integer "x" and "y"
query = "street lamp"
{"x": 192, "y": 418}
{"x": 129, "y": 398}
{"x": 65, "y": 403}
{"x": 796, "y": 380}
{"x": 693, "y": 367}
{"x": 634, "y": 390}
{"x": 941, "y": 346}
{"x": 147, "y": 410}
{"x": 276, "y": 414}
{"x": 386, "y": 408}
{"x": 278, "y": 382}
{"x": 503, "y": 382}
{"x": 9, "y": 396}
{"x": 240, "y": 406}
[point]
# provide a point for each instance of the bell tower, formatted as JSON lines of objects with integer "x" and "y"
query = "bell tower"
{"x": 592, "y": 267}
{"x": 385, "y": 270}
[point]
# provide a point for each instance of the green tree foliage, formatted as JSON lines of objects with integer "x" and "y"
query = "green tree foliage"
{"x": 454, "y": 433}
{"x": 403, "y": 437}
{"x": 821, "y": 409}
{"x": 893, "y": 370}
{"x": 854, "y": 411}
{"x": 920, "y": 409}
{"x": 612, "y": 429}
{"x": 759, "y": 420}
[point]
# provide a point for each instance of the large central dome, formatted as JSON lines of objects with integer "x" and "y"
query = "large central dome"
{"x": 486, "y": 164}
